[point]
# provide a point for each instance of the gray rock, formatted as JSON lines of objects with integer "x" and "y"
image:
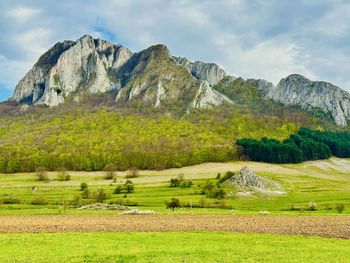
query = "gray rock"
{"x": 296, "y": 90}
{"x": 209, "y": 72}
{"x": 247, "y": 179}
{"x": 97, "y": 66}
{"x": 70, "y": 66}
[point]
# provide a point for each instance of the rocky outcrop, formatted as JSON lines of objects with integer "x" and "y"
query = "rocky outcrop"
{"x": 149, "y": 78}
{"x": 296, "y": 90}
{"x": 247, "y": 179}
{"x": 87, "y": 64}
{"x": 209, "y": 72}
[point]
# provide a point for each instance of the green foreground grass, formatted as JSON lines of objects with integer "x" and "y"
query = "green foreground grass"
{"x": 170, "y": 247}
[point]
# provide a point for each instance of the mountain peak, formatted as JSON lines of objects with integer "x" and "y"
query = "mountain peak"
{"x": 150, "y": 76}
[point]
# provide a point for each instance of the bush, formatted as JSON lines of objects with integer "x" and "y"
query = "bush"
{"x": 39, "y": 200}
{"x": 110, "y": 170}
{"x": 228, "y": 175}
{"x": 174, "y": 182}
{"x": 118, "y": 189}
{"x": 217, "y": 192}
{"x": 186, "y": 184}
{"x": 129, "y": 186}
{"x": 218, "y": 176}
{"x": 83, "y": 186}
{"x": 173, "y": 203}
{"x": 99, "y": 195}
{"x": 340, "y": 208}
{"x": 86, "y": 193}
{"x": 312, "y": 206}
{"x": 10, "y": 200}
{"x": 41, "y": 174}
{"x": 132, "y": 173}
{"x": 63, "y": 175}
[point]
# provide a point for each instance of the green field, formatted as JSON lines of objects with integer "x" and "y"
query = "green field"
{"x": 176, "y": 247}
{"x": 325, "y": 182}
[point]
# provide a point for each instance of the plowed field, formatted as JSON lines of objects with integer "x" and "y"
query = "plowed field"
{"x": 325, "y": 226}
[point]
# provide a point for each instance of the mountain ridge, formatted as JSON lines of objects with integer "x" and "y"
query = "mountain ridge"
{"x": 155, "y": 78}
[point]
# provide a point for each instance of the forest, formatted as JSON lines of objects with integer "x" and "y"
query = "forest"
{"x": 88, "y": 139}
{"x": 304, "y": 145}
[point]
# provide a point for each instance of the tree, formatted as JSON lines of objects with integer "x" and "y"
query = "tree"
{"x": 83, "y": 186}
{"x": 63, "y": 175}
{"x": 340, "y": 208}
{"x": 110, "y": 171}
{"x": 118, "y": 189}
{"x": 129, "y": 186}
{"x": 41, "y": 174}
{"x": 174, "y": 182}
{"x": 132, "y": 173}
{"x": 173, "y": 203}
{"x": 100, "y": 195}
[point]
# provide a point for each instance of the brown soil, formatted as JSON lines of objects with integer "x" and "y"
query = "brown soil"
{"x": 325, "y": 226}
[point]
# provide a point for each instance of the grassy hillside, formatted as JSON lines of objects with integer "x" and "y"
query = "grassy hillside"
{"x": 324, "y": 182}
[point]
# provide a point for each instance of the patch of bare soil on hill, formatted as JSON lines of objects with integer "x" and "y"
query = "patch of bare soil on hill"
{"x": 325, "y": 226}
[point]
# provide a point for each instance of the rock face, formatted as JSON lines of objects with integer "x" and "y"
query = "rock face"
{"x": 296, "y": 90}
{"x": 149, "y": 78}
{"x": 68, "y": 67}
{"x": 154, "y": 78}
{"x": 210, "y": 72}
{"x": 247, "y": 179}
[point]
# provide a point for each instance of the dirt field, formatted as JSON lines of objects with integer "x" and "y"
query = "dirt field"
{"x": 325, "y": 226}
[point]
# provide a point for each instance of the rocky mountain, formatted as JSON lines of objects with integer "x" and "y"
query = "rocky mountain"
{"x": 297, "y": 90}
{"x": 151, "y": 77}
{"x": 154, "y": 78}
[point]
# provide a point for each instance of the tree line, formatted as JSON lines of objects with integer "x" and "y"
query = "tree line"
{"x": 305, "y": 145}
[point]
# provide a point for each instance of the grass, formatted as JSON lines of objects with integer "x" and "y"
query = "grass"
{"x": 179, "y": 247}
{"x": 325, "y": 182}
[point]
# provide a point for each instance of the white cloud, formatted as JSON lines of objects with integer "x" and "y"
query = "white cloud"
{"x": 34, "y": 41}
{"x": 22, "y": 14}
{"x": 260, "y": 39}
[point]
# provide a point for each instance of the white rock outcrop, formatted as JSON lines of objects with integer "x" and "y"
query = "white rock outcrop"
{"x": 82, "y": 65}
{"x": 209, "y": 72}
{"x": 296, "y": 90}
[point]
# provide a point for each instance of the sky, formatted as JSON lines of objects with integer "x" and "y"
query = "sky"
{"x": 267, "y": 39}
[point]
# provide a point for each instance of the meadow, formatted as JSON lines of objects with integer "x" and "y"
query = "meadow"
{"x": 325, "y": 183}
{"x": 179, "y": 247}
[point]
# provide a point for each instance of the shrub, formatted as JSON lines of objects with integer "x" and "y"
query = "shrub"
{"x": 173, "y": 203}
{"x": 10, "y": 200}
{"x": 41, "y": 174}
{"x": 312, "y": 206}
{"x": 63, "y": 175}
{"x": 340, "y": 208}
{"x": 174, "y": 182}
{"x": 110, "y": 170}
{"x": 228, "y": 175}
{"x": 129, "y": 186}
{"x": 132, "y": 173}
{"x": 180, "y": 177}
{"x": 218, "y": 176}
{"x": 86, "y": 193}
{"x": 217, "y": 192}
{"x": 208, "y": 186}
{"x": 83, "y": 186}
{"x": 39, "y": 200}
{"x": 118, "y": 189}
{"x": 186, "y": 184}
{"x": 76, "y": 200}
{"x": 99, "y": 195}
